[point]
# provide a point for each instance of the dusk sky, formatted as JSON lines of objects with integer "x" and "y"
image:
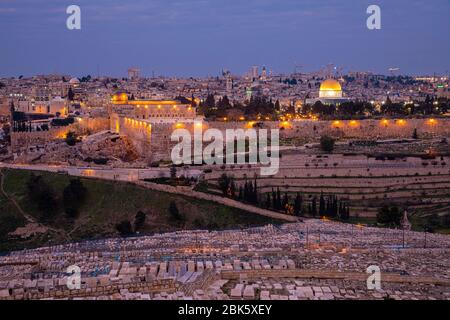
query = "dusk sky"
{"x": 201, "y": 37}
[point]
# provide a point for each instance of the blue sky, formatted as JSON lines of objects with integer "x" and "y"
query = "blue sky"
{"x": 200, "y": 37}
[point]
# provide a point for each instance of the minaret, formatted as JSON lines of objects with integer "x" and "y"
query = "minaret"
{"x": 406, "y": 225}
{"x": 264, "y": 74}
{"x": 229, "y": 83}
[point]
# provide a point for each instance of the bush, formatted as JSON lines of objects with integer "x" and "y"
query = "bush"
{"x": 124, "y": 228}
{"x": 73, "y": 196}
{"x": 202, "y": 186}
{"x": 100, "y": 161}
{"x": 39, "y": 192}
{"x": 139, "y": 220}
{"x": 389, "y": 216}
{"x": 71, "y": 138}
{"x": 174, "y": 212}
{"x": 327, "y": 144}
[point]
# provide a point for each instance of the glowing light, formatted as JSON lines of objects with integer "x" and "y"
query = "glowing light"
{"x": 250, "y": 124}
{"x": 353, "y": 123}
{"x": 242, "y": 118}
{"x": 179, "y": 125}
{"x": 432, "y": 121}
{"x": 385, "y": 122}
{"x": 337, "y": 124}
{"x": 88, "y": 173}
{"x": 401, "y": 122}
{"x": 225, "y": 119}
{"x": 286, "y": 125}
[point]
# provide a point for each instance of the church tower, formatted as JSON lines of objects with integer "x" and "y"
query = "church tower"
{"x": 406, "y": 225}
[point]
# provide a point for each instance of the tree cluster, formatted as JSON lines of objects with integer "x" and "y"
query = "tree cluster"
{"x": 126, "y": 228}
{"x": 74, "y": 196}
{"x": 389, "y": 216}
{"x": 42, "y": 195}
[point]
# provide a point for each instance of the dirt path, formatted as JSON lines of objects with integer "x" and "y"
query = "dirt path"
{"x": 27, "y": 217}
{"x": 188, "y": 192}
{"x": 32, "y": 224}
{"x": 185, "y": 191}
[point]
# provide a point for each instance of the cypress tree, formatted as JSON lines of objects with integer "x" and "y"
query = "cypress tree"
{"x": 314, "y": 206}
{"x": 278, "y": 199}
{"x": 321, "y": 205}
{"x": 255, "y": 192}
{"x": 268, "y": 201}
{"x": 274, "y": 200}
{"x": 285, "y": 202}
{"x": 246, "y": 191}
{"x": 298, "y": 205}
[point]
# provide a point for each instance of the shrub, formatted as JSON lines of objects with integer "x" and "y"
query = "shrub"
{"x": 390, "y": 216}
{"x": 73, "y": 196}
{"x": 124, "y": 228}
{"x": 40, "y": 193}
{"x": 139, "y": 220}
{"x": 174, "y": 212}
{"x": 327, "y": 144}
{"x": 71, "y": 138}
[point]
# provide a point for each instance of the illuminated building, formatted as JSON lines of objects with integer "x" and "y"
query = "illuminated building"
{"x": 74, "y": 83}
{"x": 330, "y": 92}
{"x": 330, "y": 88}
{"x": 160, "y": 111}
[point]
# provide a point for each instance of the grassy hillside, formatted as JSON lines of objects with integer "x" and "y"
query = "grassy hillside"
{"x": 106, "y": 204}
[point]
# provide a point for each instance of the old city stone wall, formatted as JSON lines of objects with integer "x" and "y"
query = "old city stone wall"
{"x": 21, "y": 141}
{"x": 361, "y": 129}
{"x": 138, "y": 132}
{"x": 90, "y": 125}
{"x": 153, "y": 141}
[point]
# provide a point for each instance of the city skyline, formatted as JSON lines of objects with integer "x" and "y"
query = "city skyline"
{"x": 242, "y": 153}
{"x": 200, "y": 38}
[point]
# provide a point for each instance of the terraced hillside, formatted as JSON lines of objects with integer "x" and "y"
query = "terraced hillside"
{"x": 422, "y": 186}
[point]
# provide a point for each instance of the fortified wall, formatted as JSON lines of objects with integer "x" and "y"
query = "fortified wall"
{"x": 153, "y": 140}
{"x": 87, "y": 126}
{"x": 21, "y": 141}
{"x": 358, "y": 129}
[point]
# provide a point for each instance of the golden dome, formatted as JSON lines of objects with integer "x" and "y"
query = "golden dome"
{"x": 330, "y": 89}
{"x": 330, "y": 85}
